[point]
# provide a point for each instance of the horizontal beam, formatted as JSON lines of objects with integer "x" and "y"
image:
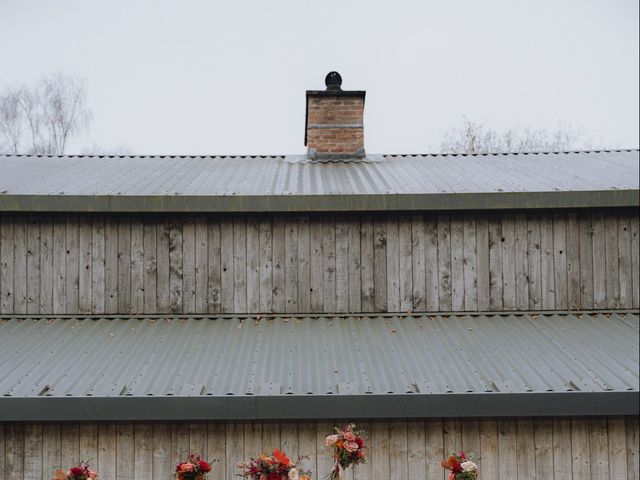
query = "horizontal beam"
{"x": 319, "y": 203}
{"x": 304, "y": 407}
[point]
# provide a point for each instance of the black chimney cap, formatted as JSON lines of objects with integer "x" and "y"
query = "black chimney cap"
{"x": 333, "y": 81}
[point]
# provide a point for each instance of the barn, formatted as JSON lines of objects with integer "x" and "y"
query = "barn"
{"x": 153, "y": 306}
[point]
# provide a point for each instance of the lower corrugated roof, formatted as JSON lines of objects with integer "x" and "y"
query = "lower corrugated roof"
{"x": 318, "y": 356}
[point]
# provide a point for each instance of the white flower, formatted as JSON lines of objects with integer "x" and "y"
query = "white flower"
{"x": 469, "y": 467}
{"x": 293, "y": 474}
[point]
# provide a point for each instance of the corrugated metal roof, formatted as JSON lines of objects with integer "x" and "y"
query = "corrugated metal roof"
{"x": 353, "y": 355}
{"x": 280, "y": 175}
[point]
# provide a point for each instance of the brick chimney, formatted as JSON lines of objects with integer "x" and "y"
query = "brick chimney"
{"x": 334, "y": 128}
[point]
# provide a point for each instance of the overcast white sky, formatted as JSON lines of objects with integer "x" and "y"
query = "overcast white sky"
{"x": 228, "y": 77}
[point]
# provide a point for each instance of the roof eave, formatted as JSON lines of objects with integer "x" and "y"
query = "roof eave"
{"x": 320, "y": 203}
{"x": 303, "y": 407}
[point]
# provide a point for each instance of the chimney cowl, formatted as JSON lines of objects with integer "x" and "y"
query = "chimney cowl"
{"x": 334, "y": 121}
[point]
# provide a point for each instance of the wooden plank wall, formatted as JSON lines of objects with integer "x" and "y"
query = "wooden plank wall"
{"x": 466, "y": 262}
{"x": 510, "y": 449}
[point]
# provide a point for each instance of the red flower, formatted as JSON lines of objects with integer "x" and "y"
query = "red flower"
{"x": 204, "y": 466}
{"x": 76, "y": 471}
{"x": 281, "y": 458}
{"x": 360, "y": 442}
{"x": 274, "y": 476}
{"x": 456, "y": 468}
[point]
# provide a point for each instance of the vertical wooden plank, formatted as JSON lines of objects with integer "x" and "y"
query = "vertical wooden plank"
{"x": 163, "y": 303}
{"x": 150, "y": 242}
{"x": 278, "y": 251}
{"x": 546, "y": 262}
{"x": 176, "y": 265}
{"x": 6, "y": 264}
{"x": 234, "y": 448}
{"x": 46, "y": 266}
{"x": 507, "y": 449}
{"x": 137, "y": 265}
{"x": 543, "y": 438}
{"x": 97, "y": 265}
{"x": 633, "y": 448}
{"x": 366, "y": 262}
{"x": 534, "y": 262}
{"x": 307, "y": 444}
{"x": 50, "y": 447}
{"x": 304, "y": 265}
{"x": 33, "y": 461}
{"x": 625, "y": 261}
{"x": 470, "y": 262}
{"x": 266, "y": 266}
{"x": 580, "y": 449}
{"x": 107, "y": 449}
{"x": 431, "y": 259}
{"x": 560, "y": 261}
{"x": 398, "y": 450}
{"x": 124, "y": 266}
{"x": 289, "y": 439}
{"x": 508, "y": 241}
{"x": 418, "y": 265}
{"x": 328, "y": 265}
{"x": 612, "y": 258}
{"x": 434, "y": 449}
{"x": 70, "y": 445}
{"x": 586, "y": 260}
{"x": 19, "y": 265}
{"x": 189, "y": 265}
{"x": 522, "y": 265}
{"x": 161, "y": 449}
{"x": 599, "y": 260}
{"x": 240, "y": 264}
{"x": 291, "y": 265}
{"x": 214, "y": 293}
{"x": 573, "y": 260}
{"x": 125, "y": 461}
{"x": 143, "y": 449}
{"x": 270, "y": 436}
{"x": 85, "y": 296}
{"x": 380, "y": 264}
{"x": 452, "y": 434}
{"x": 379, "y": 451}
{"x": 253, "y": 266}
{"x": 111, "y": 265}
{"x": 355, "y": 265}
{"x": 405, "y": 273}
{"x": 253, "y": 439}
{"x": 342, "y": 265}
{"x": 416, "y": 447}
{"x": 393, "y": 264}
{"x": 444, "y": 263}
{"x": 489, "y": 466}
{"x": 179, "y": 442}
{"x": 202, "y": 265}
{"x": 471, "y": 437}
{"x": 88, "y": 433}
{"x": 482, "y": 249}
{"x": 635, "y": 259}
{"x": 33, "y": 265}
{"x": 216, "y": 454}
{"x": 599, "y": 449}
{"x": 617, "y": 448}
{"x": 562, "y": 448}
{"x": 525, "y": 454}
{"x": 315, "y": 264}
{"x": 198, "y": 438}
{"x": 14, "y": 451}
{"x": 457, "y": 263}
{"x": 496, "y": 283}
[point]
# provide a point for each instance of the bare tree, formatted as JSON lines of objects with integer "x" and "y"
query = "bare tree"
{"x": 42, "y": 119}
{"x": 474, "y": 137}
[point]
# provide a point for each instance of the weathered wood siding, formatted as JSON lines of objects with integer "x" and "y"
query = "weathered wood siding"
{"x": 510, "y": 449}
{"x": 182, "y": 264}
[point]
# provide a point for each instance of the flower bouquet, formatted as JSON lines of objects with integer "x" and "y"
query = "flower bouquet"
{"x": 79, "y": 472}
{"x": 348, "y": 449}
{"x": 460, "y": 467}
{"x": 193, "y": 469}
{"x": 276, "y": 466}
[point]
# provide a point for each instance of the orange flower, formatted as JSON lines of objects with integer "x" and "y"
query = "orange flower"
{"x": 281, "y": 457}
{"x": 340, "y": 443}
{"x": 450, "y": 462}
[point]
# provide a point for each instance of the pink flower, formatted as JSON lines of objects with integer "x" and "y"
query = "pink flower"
{"x": 350, "y": 446}
{"x": 349, "y": 436}
{"x": 452, "y": 476}
{"x": 331, "y": 440}
{"x": 185, "y": 467}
